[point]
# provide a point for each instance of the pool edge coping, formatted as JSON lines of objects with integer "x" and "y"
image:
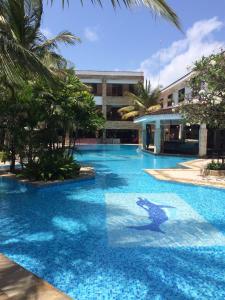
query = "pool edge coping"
{"x": 188, "y": 166}
{"x": 87, "y": 173}
{"x": 29, "y": 283}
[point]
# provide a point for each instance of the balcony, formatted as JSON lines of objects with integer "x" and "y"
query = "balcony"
{"x": 121, "y": 125}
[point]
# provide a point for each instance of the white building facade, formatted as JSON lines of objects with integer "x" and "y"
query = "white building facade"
{"x": 164, "y": 131}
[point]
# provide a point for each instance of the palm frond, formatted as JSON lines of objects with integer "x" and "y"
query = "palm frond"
{"x": 145, "y": 100}
{"x": 135, "y": 99}
{"x": 130, "y": 115}
{"x": 56, "y": 63}
{"x": 33, "y": 11}
{"x": 158, "y": 7}
{"x": 16, "y": 61}
{"x": 126, "y": 109}
{"x": 64, "y": 37}
{"x": 23, "y": 48}
{"x": 154, "y": 108}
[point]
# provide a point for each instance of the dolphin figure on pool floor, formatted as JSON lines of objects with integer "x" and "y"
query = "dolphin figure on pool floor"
{"x": 156, "y": 214}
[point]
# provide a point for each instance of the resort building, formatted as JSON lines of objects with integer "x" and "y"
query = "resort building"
{"x": 164, "y": 131}
{"x": 109, "y": 89}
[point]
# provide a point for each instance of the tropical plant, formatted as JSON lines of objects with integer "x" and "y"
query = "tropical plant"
{"x": 36, "y": 118}
{"x": 207, "y": 104}
{"x": 23, "y": 47}
{"x": 216, "y": 165}
{"x": 159, "y": 7}
{"x": 52, "y": 165}
{"x": 3, "y": 156}
{"x": 26, "y": 57}
{"x": 72, "y": 107}
{"x": 144, "y": 100}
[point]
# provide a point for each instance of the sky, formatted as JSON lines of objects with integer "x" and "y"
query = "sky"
{"x": 133, "y": 40}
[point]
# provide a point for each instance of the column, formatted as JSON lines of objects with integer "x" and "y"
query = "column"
{"x": 181, "y": 131}
{"x": 67, "y": 139}
{"x": 104, "y": 105}
{"x": 140, "y": 136}
{"x": 143, "y": 136}
{"x": 175, "y": 97}
{"x": 202, "y": 140}
{"x": 157, "y": 137}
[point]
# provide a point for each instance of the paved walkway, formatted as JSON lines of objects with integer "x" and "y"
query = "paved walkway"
{"x": 16, "y": 283}
{"x": 192, "y": 173}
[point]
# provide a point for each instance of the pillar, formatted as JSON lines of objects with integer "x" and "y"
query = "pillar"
{"x": 181, "y": 131}
{"x": 175, "y": 97}
{"x": 104, "y": 104}
{"x": 140, "y": 136}
{"x": 157, "y": 137}
{"x": 202, "y": 140}
{"x": 143, "y": 136}
{"x": 67, "y": 138}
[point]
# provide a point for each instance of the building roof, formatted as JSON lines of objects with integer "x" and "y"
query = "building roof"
{"x": 161, "y": 114}
{"x": 185, "y": 77}
{"x": 109, "y": 73}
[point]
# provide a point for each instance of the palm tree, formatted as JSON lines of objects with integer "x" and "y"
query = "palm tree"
{"x": 21, "y": 40}
{"x": 25, "y": 53}
{"x": 144, "y": 100}
{"x": 159, "y": 7}
{"x": 23, "y": 47}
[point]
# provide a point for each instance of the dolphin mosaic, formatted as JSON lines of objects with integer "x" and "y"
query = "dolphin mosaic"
{"x": 156, "y": 214}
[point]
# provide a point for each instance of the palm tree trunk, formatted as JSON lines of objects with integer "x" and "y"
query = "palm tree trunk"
{"x": 13, "y": 159}
{"x": 63, "y": 140}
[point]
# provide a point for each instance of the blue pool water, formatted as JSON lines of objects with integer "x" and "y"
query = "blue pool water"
{"x": 62, "y": 233}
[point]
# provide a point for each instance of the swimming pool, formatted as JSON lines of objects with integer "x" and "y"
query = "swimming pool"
{"x": 69, "y": 234}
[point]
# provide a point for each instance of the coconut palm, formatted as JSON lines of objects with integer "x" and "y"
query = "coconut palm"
{"x": 23, "y": 47}
{"x": 21, "y": 40}
{"x": 144, "y": 100}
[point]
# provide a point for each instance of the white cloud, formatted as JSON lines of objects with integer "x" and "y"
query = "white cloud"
{"x": 182, "y": 53}
{"x": 91, "y": 34}
{"x": 47, "y": 32}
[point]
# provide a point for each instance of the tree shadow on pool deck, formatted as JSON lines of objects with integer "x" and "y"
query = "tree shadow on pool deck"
{"x": 84, "y": 258}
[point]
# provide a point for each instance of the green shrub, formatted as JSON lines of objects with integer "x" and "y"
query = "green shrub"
{"x": 52, "y": 165}
{"x": 3, "y": 156}
{"x": 216, "y": 166}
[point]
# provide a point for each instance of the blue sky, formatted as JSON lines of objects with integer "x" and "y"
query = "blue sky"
{"x": 135, "y": 39}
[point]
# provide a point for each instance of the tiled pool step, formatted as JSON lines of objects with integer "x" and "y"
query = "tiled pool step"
{"x": 16, "y": 283}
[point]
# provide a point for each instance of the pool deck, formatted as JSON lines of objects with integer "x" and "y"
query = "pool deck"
{"x": 192, "y": 173}
{"x": 16, "y": 283}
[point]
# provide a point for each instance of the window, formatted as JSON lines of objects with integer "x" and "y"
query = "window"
{"x": 161, "y": 102}
{"x": 117, "y": 90}
{"x": 181, "y": 95}
{"x": 96, "y": 88}
{"x": 170, "y": 100}
{"x": 132, "y": 88}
